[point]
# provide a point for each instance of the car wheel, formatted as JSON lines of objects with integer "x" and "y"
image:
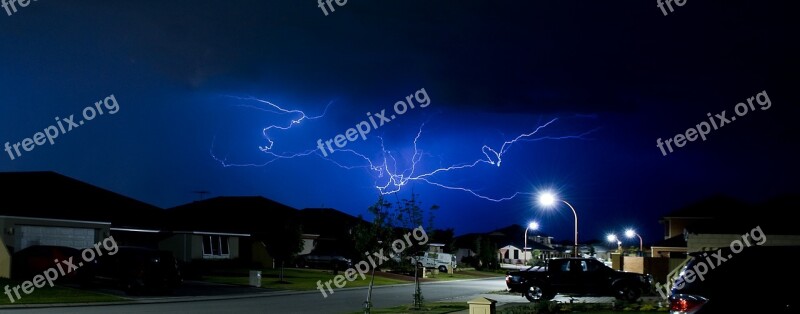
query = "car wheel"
{"x": 536, "y": 293}
{"x": 442, "y": 268}
{"x": 628, "y": 293}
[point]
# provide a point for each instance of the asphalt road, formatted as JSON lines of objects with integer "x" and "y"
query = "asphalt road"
{"x": 342, "y": 301}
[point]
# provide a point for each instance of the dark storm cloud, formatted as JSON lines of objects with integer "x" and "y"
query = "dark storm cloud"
{"x": 507, "y": 56}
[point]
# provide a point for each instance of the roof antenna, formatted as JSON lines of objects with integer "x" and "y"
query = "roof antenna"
{"x": 201, "y": 195}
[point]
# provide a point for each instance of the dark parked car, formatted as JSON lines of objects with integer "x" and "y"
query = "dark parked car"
{"x": 34, "y": 260}
{"x": 324, "y": 261}
{"x": 755, "y": 280}
{"x": 135, "y": 270}
{"x": 577, "y": 276}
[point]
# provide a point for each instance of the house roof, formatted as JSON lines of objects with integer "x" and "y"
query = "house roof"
{"x": 51, "y": 195}
{"x": 230, "y": 214}
{"x": 734, "y": 217}
{"x": 676, "y": 241}
{"x": 327, "y": 222}
{"x": 510, "y": 235}
{"x": 715, "y": 206}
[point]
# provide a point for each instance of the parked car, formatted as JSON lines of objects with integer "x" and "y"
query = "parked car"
{"x": 34, "y": 260}
{"x": 135, "y": 270}
{"x": 324, "y": 261}
{"x": 577, "y": 276}
{"x": 756, "y": 280}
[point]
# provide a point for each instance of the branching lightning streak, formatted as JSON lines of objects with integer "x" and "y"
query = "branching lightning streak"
{"x": 393, "y": 178}
{"x": 272, "y": 108}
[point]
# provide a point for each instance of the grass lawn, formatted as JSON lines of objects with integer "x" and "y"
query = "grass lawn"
{"x": 429, "y": 308}
{"x": 300, "y": 279}
{"x": 55, "y": 294}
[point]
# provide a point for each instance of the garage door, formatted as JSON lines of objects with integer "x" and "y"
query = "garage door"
{"x": 78, "y": 238}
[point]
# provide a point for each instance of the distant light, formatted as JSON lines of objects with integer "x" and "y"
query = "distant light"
{"x": 547, "y": 198}
{"x": 611, "y": 238}
{"x": 533, "y": 225}
{"x": 630, "y": 233}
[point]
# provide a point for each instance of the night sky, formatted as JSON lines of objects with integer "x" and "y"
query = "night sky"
{"x": 192, "y": 78}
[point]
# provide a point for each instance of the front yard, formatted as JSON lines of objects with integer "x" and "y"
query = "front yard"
{"x": 57, "y": 294}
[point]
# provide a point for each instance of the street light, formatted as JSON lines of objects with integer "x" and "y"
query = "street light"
{"x": 613, "y": 238}
{"x": 533, "y": 225}
{"x": 630, "y": 234}
{"x": 548, "y": 199}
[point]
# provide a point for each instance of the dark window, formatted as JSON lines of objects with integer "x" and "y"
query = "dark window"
{"x": 592, "y": 266}
{"x": 207, "y": 245}
{"x": 215, "y": 246}
{"x": 224, "y": 245}
{"x": 562, "y": 265}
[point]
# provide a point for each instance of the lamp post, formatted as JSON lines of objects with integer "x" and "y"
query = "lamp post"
{"x": 533, "y": 225}
{"x": 547, "y": 199}
{"x": 630, "y": 234}
{"x": 613, "y": 238}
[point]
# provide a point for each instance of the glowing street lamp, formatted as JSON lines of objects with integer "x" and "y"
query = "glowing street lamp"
{"x": 613, "y": 238}
{"x": 630, "y": 234}
{"x": 548, "y": 199}
{"x": 531, "y": 226}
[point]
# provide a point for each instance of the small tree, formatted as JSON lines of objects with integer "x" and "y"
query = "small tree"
{"x": 487, "y": 253}
{"x": 283, "y": 242}
{"x": 409, "y": 215}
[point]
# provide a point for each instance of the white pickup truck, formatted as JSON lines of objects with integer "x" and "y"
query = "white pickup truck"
{"x": 435, "y": 260}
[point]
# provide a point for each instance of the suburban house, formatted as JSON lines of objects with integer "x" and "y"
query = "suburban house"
{"x": 225, "y": 228}
{"x": 718, "y": 222}
{"x": 76, "y": 214}
{"x": 325, "y": 228}
{"x": 675, "y": 223}
{"x": 511, "y": 245}
{"x": 64, "y": 212}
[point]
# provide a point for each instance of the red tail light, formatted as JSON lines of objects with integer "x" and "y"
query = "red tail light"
{"x": 685, "y": 304}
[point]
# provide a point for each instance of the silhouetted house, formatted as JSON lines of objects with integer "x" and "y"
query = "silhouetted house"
{"x": 46, "y": 208}
{"x": 225, "y": 228}
{"x": 325, "y": 228}
{"x": 676, "y": 222}
{"x": 510, "y": 242}
{"x": 720, "y": 222}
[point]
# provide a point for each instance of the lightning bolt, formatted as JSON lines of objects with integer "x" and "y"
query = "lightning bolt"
{"x": 270, "y": 107}
{"x": 390, "y": 177}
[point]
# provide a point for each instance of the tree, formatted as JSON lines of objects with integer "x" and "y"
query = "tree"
{"x": 367, "y": 235}
{"x": 487, "y": 253}
{"x": 446, "y": 237}
{"x": 283, "y": 242}
{"x": 409, "y": 215}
